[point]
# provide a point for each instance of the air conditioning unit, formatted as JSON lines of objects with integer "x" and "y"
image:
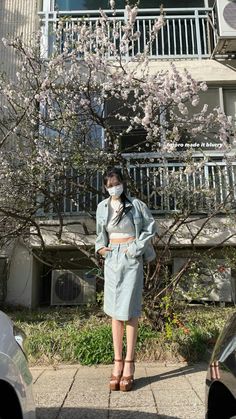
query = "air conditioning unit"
{"x": 216, "y": 280}
{"x": 225, "y": 13}
{"x": 72, "y": 287}
{"x": 226, "y": 17}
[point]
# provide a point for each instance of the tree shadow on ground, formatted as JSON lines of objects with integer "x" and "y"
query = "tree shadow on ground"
{"x": 90, "y": 413}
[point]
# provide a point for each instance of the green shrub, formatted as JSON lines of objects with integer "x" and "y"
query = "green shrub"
{"x": 82, "y": 334}
{"x": 94, "y": 346}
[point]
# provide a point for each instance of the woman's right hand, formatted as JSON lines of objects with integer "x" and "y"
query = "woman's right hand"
{"x": 103, "y": 251}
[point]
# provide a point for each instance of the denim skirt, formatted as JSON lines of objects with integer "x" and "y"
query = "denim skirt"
{"x": 123, "y": 287}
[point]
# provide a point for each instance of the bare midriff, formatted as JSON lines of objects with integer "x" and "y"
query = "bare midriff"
{"x": 122, "y": 240}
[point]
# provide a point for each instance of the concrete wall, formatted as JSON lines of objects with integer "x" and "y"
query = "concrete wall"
{"x": 17, "y": 18}
{"x": 211, "y": 71}
{"x": 36, "y": 282}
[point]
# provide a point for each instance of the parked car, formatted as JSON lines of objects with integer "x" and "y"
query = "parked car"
{"x": 221, "y": 375}
{"x": 16, "y": 398}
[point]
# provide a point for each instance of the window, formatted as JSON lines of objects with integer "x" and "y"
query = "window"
{"x": 230, "y": 103}
{"x": 83, "y": 129}
{"x": 85, "y": 4}
{"x": 134, "y": 140}
{"x": 211, "y": 97}
{"x": 204, "y": 140}
{"x": 120, "y": 4}
{"x": 177, "y": 3}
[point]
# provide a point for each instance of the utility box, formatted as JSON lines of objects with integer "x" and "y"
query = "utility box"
{"x": 226, "y": 17}
{"x": 72, "y": 287}
{"x": 225, "y": 23}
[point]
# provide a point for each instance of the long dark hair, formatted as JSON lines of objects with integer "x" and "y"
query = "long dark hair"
{"x": 114, "y": 171}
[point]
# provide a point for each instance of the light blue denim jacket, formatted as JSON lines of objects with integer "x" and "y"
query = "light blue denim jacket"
{"x": 145, "y": 229}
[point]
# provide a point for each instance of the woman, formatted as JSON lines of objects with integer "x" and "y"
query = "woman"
{"x": 124, "y": 229}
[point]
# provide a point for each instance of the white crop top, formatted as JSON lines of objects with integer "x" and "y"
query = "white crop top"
{"x": 125, "y": 228}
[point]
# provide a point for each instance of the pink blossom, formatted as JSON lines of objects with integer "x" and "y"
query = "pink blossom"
{"x": 5, "y": 42}
{"x": 112, "y": 4}
{"x": 159, "y": 23}
{"x": 132, "y": 13}
{"x": 195, "y": 100}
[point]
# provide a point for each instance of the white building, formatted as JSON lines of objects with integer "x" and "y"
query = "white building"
{"x": 199, "y": 35}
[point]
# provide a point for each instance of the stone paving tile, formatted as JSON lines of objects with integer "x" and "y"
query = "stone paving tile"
{"x": 93, "y": 384}
{"x": 141, "y": 384}
{"x": 133, "y": 413}
{"x": 170, "y": 384}
{"x": 168, "y": 417}
{"x": 178, "y": 391}
{"x": 197, "y": 377}
{"x": 178, "y": 397}
{"x": 62, "y": 373}
{"x": 94, "y": 372}
{"x": 131, "y": 399}
{"x": 197, "y": 381}
{"x": 162, "y": 368}
{"x": 54, "y": 380}
{"x": 200, "y": 366}
{"x": 83, "y": 413}
{"x": 54, "y": 384}
{"x": 187, "y": 411}
{"x": 200, "y": 391}
{"x": 87, "y": 398}
{"x": 47, "y": 397}
{"x": 47, "y": 413}
{"x": 140, "y": 371}
{"x": 164, "y": 364}
{"x": 166, "y": 374}
{"x": 36, "y": 374}
{"x": 90, "y": 384}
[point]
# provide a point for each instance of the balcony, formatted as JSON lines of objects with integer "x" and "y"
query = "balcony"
{"x": 166, "y": 187}
{"x": 187, "y": 33}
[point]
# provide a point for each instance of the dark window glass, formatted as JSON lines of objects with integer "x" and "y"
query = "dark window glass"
{"x": 175, "y": 3}
{"x": 120, "y": 4}
{"x": 230, "y": 103}
{"x": 134, "y": 141}
{"x": 85, "y": 4}
{"x": 204, "y": 141}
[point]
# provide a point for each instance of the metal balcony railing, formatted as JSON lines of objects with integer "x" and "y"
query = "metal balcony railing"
{"x": 165, "y": 187}
{"x": 187, "y": 33}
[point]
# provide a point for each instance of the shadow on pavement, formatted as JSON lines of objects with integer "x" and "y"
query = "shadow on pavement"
{"x": 87, "y": 413}
{"x": 174, "y": 373}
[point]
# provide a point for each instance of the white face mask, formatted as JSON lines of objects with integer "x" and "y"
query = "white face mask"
{"x": 115, "y": 190}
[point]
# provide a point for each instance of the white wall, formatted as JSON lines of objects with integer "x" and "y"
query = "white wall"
{"x": 19, "y": 283}
{"x": 211, "y": 71}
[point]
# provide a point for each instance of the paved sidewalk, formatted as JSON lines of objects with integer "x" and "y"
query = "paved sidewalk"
{"x": 163, "y": 391}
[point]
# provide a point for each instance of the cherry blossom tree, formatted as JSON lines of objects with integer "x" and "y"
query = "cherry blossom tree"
{"x": 68, "y": 113}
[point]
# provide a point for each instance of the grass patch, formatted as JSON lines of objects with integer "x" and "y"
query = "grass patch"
{"x": 83, "y": 334}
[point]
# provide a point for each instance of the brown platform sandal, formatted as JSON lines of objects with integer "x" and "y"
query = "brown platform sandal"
{"x": 126, "y": 383}
{"x": 115, "y": 379}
